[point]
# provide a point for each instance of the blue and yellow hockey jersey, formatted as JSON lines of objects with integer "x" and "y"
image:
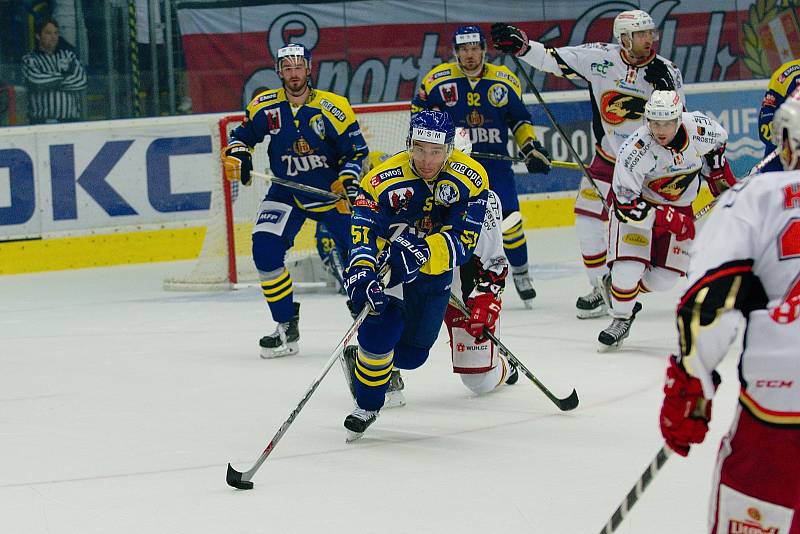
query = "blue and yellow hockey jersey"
{"x": 487, "y": 106}
{"x": 448, "y": 213}
{"x": 313, "y": 145}
{"x": 782, "y": 83}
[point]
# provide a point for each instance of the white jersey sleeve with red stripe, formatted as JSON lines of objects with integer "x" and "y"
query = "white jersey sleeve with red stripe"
{"x": 746, "y": 262}
{"x": 618, "y": 89}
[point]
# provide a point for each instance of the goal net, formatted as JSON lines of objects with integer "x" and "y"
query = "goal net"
{"x": 225, "y": 260}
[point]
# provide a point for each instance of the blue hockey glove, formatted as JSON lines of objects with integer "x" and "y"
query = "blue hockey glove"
{"x": 363, "y": 287}
{"x": 406, "y": 255}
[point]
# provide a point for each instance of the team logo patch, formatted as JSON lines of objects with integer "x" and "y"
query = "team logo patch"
{"x": 637, "y": 240}
{"x": 475, "y": 119}
{"x": 449, "y": 92}
{"x": 301, "y": 146}
{"x": 616, "y": 107}
{"x": 364, "y": 202}
{"x": 424, "y": 225}
{"x": 446, "y": 193}
{"x": 672, "y": 187}
{"x": 273, "y": 120}
{"x": 639, "y": 144}
{"x": 400, "y": 198}
{"x": 701, "y": 130}
{"x": 498, "y": 95}
{"x": 318, "y": 125}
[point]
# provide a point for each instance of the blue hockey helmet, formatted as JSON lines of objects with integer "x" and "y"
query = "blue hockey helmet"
{"x": 292, "y": 50}
{"x": 468, "y": 35}
{"x": 432, "y": 127}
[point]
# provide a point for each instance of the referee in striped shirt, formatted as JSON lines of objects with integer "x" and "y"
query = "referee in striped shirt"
{"x": 56, "y": 79}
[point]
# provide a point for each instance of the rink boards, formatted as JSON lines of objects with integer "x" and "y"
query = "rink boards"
{"x": 132, "y": 191}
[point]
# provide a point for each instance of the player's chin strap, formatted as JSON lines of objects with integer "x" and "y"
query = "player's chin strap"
{"x": 566, "y": 404}
{"x": 243, "y": 480}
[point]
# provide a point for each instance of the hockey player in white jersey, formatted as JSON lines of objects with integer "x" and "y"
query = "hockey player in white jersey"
{"x": 747, "y": 265}
{"x": 480, "y": 282}
{"x": 651, "y": 225}
{"x": 621, "y": 78}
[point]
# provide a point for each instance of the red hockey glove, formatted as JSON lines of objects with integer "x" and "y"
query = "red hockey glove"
{"x": 719, "y": 175}
{"x": 675, "y": 222}
{"x": 484, "y": 311}
{"x": 685, "y": 413}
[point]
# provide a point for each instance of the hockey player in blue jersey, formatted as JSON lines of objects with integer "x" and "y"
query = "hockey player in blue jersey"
{"x": 486, "y": 100}
{"x": 782, "y": 83}
{"x": 429, "y": 203}
{"x": 315, "y": 140}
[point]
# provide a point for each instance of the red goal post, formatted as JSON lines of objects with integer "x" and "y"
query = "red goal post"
{"x": 225, "y": 258}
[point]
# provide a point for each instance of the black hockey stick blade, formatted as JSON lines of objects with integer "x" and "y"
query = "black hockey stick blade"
{"x": 234, "y": 479}
{"x": 569, "y": 403}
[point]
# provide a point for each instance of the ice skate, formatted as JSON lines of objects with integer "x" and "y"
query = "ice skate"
{"x": 591, "y": 305}
{"x": 612, "y": 337}
{"x": 357, "y": 423}
{"x": 394, "y": 397}
{"x": 282, "y": 342}
{"x": 524, "y": 286}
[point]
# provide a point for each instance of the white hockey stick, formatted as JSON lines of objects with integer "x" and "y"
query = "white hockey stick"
{"x": 243, "y": 480}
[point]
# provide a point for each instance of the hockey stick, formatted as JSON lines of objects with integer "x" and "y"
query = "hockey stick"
{"x": 503, "y": 157}
{"x": 637, "y": 490}
{"x": 566, "y": 404}
{"x": 298, "y": 186}
{"x": 553, "y": 120}
{"x": 243, "y": 480}
{"x": 755, "y": 170}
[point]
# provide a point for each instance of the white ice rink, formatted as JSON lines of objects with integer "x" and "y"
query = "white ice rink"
{"x": 121, "y": 404}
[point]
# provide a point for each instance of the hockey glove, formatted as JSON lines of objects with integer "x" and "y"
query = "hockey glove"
{"x": 657, "y": 74}
{"x": 238, "y": 162}
{"x": 363, "y": 288}
{"x": 509, "y": 39}
{"x": 717, "y": 172}
{"x": 674, "y": 222}
{"x": 632, "y": 212}
{"x": 406, "y": 255}
{"x": 346, "y": 185}
{"x": 685, "y": 413}
{"x": 537, "y": 158}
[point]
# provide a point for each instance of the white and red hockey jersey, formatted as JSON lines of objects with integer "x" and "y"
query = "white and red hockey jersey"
{"x": 617, "y": 87}
{"x": 667, "y": 175}
{"x": 747, "y": 263}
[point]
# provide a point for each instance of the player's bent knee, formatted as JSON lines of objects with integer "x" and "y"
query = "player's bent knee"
{"x": 268, "y": 252}
{"x": 379, "y": 334}
{"x": 409, "y": 356}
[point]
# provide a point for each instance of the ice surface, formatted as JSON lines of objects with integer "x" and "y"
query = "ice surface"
{"x": 121, "y": 404}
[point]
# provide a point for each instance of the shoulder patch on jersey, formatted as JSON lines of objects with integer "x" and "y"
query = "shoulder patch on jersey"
{"x": 446, "y": 193}
{"x": 394, "y": 172}
{"x": 600, "y": 46}
{"x": 268, "y": 96}
{"x": 331, "y": 108}
{"x": 788, "y": 72}
{"x": 501, "y": 72}
{"x": 471, "y": 174}
{"x": 439, "y": 74}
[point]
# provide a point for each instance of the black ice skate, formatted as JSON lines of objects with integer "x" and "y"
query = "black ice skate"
{"x": 357, "y": 423}
{"x": 394, "y": 397}
{"x": 591, "y": 305}
{"x": 611, "y": 338}
{"x": 282, "y": 342}
{"x": 524, "y": 286}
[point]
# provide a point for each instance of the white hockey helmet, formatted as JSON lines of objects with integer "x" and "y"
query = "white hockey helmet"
{"x": 632, "y": 21}
{"x": 786, "y": 132}
{"x": 462, "y": 141}
{"x": 293, "y": 54}
{"x": 663, "y": 106}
